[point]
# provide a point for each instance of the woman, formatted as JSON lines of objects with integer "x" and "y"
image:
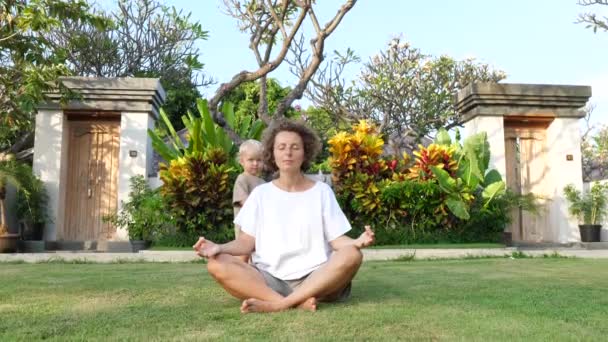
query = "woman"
{"x": 294, "y": 228}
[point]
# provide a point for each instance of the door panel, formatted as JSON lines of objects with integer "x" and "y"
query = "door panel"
{"x": 513, "y": 183}
{"x": 92, "y": 179}
{"x": 532, "y": 174}
{"x": 525, "y": 153}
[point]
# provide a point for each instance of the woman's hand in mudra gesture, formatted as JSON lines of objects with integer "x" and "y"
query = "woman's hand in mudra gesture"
{"x": 366, "y": 239}
{"x": 206, "y": 248}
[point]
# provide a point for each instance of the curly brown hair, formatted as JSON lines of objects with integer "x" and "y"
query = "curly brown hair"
{"x": 312, "y": 143}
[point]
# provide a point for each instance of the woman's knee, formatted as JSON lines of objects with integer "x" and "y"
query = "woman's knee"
{"x": 351, "y": 257}
{"x": 218, "y": 267}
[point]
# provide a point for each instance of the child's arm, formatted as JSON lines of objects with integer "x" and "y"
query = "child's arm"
{"x": 241, "y": 202}
{"x": 239, "y": 193}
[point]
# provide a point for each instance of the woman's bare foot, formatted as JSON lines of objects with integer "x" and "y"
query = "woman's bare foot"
{"x": 257, "y": 305}
{"x": 309, "y": 305}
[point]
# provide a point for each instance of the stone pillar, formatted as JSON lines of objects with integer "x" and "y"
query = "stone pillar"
{"x": 563, "y": 140}
{"x": 135, "y": 154}
{"x": 552, "y": 109}
{"x": 50, "y": 153}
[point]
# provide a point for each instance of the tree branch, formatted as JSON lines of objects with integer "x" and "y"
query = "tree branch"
{"x": 318, "y": 44}
{"x": 315, "y": 22}
{"x": 278, "y": 21}
{"x": 247, "y": 76}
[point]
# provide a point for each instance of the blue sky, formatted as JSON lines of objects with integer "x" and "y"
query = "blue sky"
{"x": 533, "y": 41}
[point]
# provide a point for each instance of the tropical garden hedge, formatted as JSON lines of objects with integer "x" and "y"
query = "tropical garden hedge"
{"x": 444, "y": 192}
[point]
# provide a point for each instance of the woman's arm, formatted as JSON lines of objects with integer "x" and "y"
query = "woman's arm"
{"x": 243, "y": 245}
{"x": 366, "y": 239}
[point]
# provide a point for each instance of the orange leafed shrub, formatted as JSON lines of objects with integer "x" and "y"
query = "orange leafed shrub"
{"x": 441, "y": 156}
{"x": 359, "y": 170}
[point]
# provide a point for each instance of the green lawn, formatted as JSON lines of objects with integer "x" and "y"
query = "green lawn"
{"x": 481, "y": 299}
{"x": 442, "y": 246}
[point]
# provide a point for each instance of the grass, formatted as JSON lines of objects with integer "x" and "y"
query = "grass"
{"x": 166, "y": 248}
{"x": 413, "y": 246}
{"x": 442, "y": 246}
{"x": 478, "y": 299}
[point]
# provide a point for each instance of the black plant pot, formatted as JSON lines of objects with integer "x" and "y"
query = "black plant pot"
{"x": 31, "y": 231}
{"x": 32, "y": 246}
{"x": 590, "y": 232}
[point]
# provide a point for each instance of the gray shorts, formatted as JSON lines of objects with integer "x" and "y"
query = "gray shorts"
{"x": 286, "y": 287}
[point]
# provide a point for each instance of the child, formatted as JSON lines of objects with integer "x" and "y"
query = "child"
{"x": 250, "y": 158}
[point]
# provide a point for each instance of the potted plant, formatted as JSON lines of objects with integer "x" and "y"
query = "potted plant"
{"x": 31, "y": 209}
{"x": 589, "y": 208}
{"x": 10, "y": 170}
{"x": 143, "y": 216}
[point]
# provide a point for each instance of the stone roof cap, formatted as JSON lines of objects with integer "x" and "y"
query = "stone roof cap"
{"x": 128, "y": 94}
{"x": 504, "y": 99}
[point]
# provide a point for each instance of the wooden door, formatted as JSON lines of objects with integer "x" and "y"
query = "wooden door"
{"x": 92, "y": 179}
{"x": 513, "y": 180}
{"x": 525, "y": 153}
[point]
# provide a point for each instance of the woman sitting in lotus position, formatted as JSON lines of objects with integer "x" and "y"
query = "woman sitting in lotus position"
{"x": 294, "y": 228}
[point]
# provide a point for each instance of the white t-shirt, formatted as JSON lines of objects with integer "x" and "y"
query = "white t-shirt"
{"x": 292, "y": 230}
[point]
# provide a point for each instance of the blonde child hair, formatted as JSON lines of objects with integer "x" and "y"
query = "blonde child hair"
{"x": 248, "y": 146}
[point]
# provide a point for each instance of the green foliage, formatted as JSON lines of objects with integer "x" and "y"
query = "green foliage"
{"x": 594, "y": 150}
{"x": 492, "y": 191}
{"x": 198, "y": 191}
{"x": 435, "y": 155}
{"x": 589, "y": 208}
{"x": 29, "y": 63}
{"x": 203, "y": 133}
{"x": 458, "y": 195}
{"x": 11, "y": 172}
{"x": 148, "y": 39}
{"x": 413, "y": 215}
{"x": 325, "y": 125}
{"x": 197, "y": 181}
{"x": 322, "y": 167}
{"x": 32, "y": 198}
{"x": 433, "y": 201}
{"x": 593, "y": 20}
{"x": 246, "y": 99}
{"x": 177, "y": 238}
{"x": 145, "y": 215}
{"x": 402, "y": 88}
{"x": 486, "y": 222}
{"x": 181, "y": 98}
{"x": 402, "y": 201}
{"x": 473, "y": 163}
{"x": 359, "y": 170}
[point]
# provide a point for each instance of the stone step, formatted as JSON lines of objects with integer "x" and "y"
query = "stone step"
{"x": 546, "y": 245}
{"x": 594, "y": 245}
{"x": 91, "y": 246}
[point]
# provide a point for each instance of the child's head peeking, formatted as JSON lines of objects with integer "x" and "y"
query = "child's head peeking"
{"x": 250, "y": 157}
